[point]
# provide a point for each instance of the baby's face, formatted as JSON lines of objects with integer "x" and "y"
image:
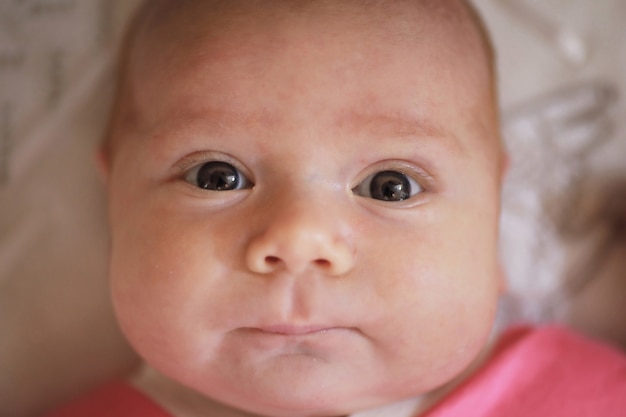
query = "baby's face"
{"x": 304, "y": 208}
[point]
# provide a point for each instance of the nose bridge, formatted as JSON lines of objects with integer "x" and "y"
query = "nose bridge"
{"x": 301, "y": 232}
{"x": 304, "y": 213}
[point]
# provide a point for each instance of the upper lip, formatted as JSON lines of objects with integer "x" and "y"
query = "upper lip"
{"x": 292, "y": 330}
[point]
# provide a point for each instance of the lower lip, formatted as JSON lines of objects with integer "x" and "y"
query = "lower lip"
{"x": 296, "y": 341}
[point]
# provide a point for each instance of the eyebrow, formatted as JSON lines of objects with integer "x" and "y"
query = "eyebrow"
{"x": 219, "y": 119}
{"x": 389, "y": 125}
{"x": 401, "y": 125}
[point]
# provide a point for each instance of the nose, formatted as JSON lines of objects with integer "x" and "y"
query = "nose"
{"x": 299, "y": 238}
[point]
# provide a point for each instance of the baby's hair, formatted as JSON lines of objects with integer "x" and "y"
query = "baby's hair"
{"x": 152, "y": 14}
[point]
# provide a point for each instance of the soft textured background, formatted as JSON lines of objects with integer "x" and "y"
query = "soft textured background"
{"x": 563, "y": 75}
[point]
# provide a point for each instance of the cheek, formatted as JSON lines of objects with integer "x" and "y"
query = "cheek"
{"x": 441, "y": 292}
{"x": 165, "y": 274}
{"x": 441, "y": 288}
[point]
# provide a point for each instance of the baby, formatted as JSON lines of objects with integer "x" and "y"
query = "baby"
{"x": 304, "y": 203}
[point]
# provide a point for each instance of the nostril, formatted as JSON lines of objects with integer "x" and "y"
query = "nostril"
{"x": 272, "y": 260}
{"x": 322, "y": 263}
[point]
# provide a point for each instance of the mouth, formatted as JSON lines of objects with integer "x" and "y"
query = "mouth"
{"x": 295, "y": 340}
{"x": 291, "y": 330}
{"x": 298, "y": 332}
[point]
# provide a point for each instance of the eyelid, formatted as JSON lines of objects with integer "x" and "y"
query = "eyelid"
{"x": 423, "y": 178}
{"x": 198, "y": 158}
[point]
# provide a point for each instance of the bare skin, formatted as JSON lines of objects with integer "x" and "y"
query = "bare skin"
{"x": 309, "y": 288}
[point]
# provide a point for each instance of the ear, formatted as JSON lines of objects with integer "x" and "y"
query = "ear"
{"x": 101, "y": 159}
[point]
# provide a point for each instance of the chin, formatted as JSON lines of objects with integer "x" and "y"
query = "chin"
{"x": 289, "y": 403}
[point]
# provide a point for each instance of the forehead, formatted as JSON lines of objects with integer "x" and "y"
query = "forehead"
{"x": 164, "y": 16}
{"x": 226, "y": 27}
{"x": 381, "y": 58}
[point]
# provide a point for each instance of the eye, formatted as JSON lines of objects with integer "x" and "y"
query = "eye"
{"x": 217, "y": 176}
{"x": 388, "y": 186}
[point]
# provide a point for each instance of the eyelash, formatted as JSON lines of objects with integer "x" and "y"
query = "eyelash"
{"x": 396, "y": 186}
{"x": 190, "y": 167}
{"x": 223, "y": 177}
{"x": 416, "y": 176}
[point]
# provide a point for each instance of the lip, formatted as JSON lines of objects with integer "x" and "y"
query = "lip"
{"x": 291, "y": 330}
{"x": 325, "y": 341}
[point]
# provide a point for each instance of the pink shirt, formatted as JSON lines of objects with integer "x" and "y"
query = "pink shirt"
{"x": 549, "y": 372}
{"x": 540, "y": 372}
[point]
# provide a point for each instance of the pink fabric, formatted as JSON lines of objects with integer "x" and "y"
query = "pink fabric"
{"x": 114, "y": 400}
{"x": 545, "y": 372}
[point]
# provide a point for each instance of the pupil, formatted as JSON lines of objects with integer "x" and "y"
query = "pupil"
{"x": 390, "y": 186}
{"x": 218, "y": 176}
